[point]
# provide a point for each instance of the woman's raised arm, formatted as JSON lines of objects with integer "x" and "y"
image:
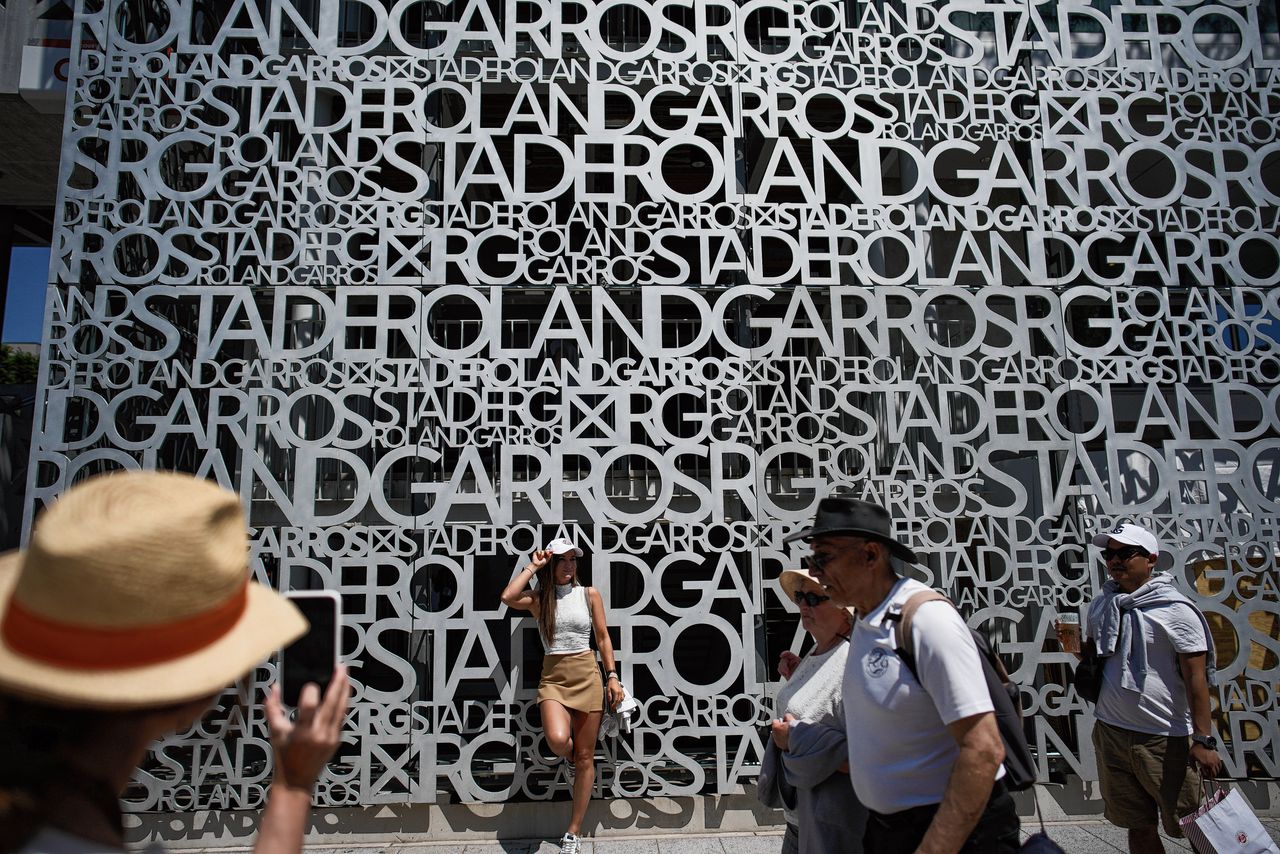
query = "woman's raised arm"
{"x": 517, "y": 593}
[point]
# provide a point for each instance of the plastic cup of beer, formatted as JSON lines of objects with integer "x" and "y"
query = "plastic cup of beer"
{"x": 1069, "y": 632}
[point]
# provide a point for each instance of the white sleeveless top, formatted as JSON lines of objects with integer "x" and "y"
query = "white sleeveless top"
{"x": 573, "y": 621}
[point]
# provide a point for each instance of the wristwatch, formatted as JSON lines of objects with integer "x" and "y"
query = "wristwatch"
{"x": 1205, "y": 741}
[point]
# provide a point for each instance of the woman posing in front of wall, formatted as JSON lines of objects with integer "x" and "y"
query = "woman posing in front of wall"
{"x": 570, "y": 695}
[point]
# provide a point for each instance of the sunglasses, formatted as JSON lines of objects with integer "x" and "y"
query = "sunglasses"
{"x": 818, "y": 561}
{"x": 1126, "y": 553}
{"x": 813, "y": 600}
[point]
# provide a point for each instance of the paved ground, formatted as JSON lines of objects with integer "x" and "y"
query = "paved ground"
{"x": 1085, "y": 837}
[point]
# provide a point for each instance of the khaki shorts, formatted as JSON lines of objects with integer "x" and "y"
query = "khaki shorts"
{"x": 1144, "y": 775}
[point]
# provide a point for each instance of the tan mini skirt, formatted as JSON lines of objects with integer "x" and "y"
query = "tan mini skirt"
{"x": 573, "y": 680}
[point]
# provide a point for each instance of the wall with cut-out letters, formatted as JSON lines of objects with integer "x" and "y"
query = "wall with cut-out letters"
{"x": 428, "y": 283}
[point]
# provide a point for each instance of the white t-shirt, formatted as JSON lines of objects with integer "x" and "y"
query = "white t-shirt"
{"x": 813, "y": 691}
{"x": 1161, "y": 707}
{"x": 900, "y": 752}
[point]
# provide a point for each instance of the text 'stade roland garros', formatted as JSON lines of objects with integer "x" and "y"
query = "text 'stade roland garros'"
{"x": 431, "y": 283}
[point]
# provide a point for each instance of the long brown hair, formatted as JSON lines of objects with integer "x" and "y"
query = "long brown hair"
{"x": 547, "y": 597}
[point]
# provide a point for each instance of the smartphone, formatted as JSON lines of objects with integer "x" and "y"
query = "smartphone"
{"x": 314, "y": 656}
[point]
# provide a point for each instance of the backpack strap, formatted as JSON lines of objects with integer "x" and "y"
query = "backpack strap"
{"x": 902, "y": 626}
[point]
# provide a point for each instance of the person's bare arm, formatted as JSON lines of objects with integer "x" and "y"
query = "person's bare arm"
{"x": 600, "y": 623}
{"x": 1194, "y": 679}
{"x": 517, "y": 594}
{"x": 302, "y": 748}
{"x": 968, "y": 787}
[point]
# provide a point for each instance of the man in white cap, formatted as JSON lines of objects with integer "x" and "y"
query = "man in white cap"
{"x": 1153, "y": 717}
{"x": 129, "y": 613}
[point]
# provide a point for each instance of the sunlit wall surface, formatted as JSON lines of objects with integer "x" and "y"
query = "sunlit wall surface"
{"x": 429, "y": 283}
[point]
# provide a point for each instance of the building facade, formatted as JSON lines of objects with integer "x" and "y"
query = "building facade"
{"x": 429, "y": 283}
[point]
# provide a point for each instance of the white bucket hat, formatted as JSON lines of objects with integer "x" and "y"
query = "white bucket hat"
{"x": 135, "y": 593}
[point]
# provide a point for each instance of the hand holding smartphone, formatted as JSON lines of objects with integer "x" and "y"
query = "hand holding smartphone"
{"x": 314, "y": 656}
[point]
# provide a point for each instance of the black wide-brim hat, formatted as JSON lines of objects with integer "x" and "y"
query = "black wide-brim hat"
{"x": 853, "y": 518}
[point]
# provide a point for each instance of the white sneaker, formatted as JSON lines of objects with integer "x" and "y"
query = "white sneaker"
{"x": 569, "y": 844}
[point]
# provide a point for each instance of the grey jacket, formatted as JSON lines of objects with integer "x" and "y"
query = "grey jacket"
{"x": 807, "y": 780}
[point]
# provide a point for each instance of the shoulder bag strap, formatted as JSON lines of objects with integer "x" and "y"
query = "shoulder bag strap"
{"x": 902, "y": 628}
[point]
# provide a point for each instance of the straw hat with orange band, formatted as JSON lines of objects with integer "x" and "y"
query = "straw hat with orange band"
{"x": 135, "y": 593}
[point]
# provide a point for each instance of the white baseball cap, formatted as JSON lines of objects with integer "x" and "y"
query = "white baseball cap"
{"x": 560, "y": 546}
{"x": 1130, "y": 535}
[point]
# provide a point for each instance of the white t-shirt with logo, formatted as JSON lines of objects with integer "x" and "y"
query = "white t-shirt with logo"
{"x": 900, "y": 752}
{"x": 1160, "y": 708}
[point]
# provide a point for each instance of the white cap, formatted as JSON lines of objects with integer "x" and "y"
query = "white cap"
{"x": 1130, "y": 535}
{"x": 560, "y": 546}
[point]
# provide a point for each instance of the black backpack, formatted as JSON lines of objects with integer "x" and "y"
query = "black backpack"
{"x": 1019, "y": 765}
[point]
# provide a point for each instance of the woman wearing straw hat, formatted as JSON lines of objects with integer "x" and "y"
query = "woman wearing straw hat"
{"x": 805, "y": 770}
{"x": 570, "y": 695}
{"x": 128, "y": 614}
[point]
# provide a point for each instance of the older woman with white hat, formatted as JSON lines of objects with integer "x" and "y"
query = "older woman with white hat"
{"x": 570, "y": 695}
{"x": 131, "y": 610}
{"x": 805, "y": 770}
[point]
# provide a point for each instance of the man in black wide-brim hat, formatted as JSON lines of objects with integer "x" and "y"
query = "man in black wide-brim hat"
{"x": 924, "y": 752}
